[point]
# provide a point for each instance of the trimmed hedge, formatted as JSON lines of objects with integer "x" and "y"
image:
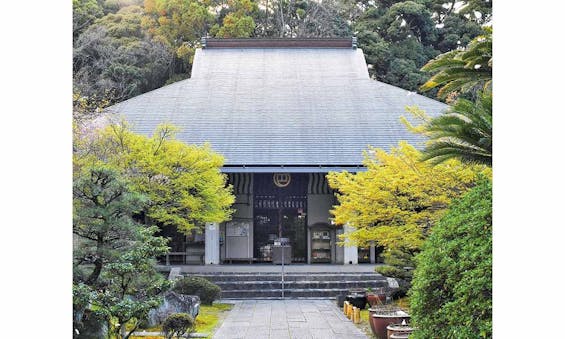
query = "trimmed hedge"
{"x": 206, "y": 290}
{"x": 451, "y": 295}
{"x": 177, "y": 324}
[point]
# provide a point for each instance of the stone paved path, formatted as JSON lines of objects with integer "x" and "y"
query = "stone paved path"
{"x": 283, "y": 319}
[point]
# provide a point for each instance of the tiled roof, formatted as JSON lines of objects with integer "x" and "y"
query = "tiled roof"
{"x": 277, "y": 106}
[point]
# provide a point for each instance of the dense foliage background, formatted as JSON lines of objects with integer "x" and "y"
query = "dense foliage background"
{"x": 122, "y": 48}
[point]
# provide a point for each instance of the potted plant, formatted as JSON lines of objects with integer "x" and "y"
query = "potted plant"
{"x": 376, "y": 297}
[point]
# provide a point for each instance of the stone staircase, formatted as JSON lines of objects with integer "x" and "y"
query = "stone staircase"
{"x": 268, "y": 285}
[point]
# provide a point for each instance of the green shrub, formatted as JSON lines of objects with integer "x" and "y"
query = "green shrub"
{"x": 207, "y": 291}
{"x": 177, "y": 324}
{"x": 393, "y": 272}
{"x": 451, "y": 295}
{"x": 399, "y": 257}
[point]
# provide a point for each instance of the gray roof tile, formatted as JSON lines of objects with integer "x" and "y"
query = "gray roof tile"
{"x": 280, "y": 106}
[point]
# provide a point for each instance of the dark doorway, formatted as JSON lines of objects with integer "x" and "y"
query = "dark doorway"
{"x": 279, "y": 210}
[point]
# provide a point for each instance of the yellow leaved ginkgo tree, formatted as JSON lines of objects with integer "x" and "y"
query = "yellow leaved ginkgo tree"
{"x": 184, "y": 184}
{"x": 396, "y": 201}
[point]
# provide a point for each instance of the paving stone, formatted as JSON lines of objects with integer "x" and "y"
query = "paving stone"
{"x": 341, "y": 330}
{"x": 308, "y": 308}
{"x": 233, "y": 323}
{"x": 325, "y": 306}
{"x": 279, "y": 325}
{"x": 296, "y": 317}
{"x": 321, "y": 333}
{"x": 349, "y": 336}
{"x": 277, "y": 319}
{"x": 258, "y": 332}
{"x": 260, "y": 324}
{"x": 279, "y": 334}
{"x": 300, "y": 333}
{"x": 231, "y": 333}
{"x": 316, "y": 320}
{"x": 298, "y": 324}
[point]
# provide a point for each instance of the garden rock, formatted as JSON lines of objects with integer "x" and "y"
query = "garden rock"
{"x": 91, "y": 327}
{"x": 174, "y": 303}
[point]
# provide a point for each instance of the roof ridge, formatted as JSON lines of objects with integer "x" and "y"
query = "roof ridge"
{"x": 350, "y": 42}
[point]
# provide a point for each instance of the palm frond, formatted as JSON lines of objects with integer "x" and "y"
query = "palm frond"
{"x": 463, "y": 132}
{"x": 462, "y": 71}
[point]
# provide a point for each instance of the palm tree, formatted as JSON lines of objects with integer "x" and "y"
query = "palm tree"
{"x": 463, "y": 132}
{"x": 462, "y": 70}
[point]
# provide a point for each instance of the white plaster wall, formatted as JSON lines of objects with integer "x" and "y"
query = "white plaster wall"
{"x": 350, "y": 253}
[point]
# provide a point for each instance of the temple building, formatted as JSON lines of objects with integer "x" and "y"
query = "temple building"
{"x": 283, "y": 113}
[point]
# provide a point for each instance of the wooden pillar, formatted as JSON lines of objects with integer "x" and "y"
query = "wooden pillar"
{"x": 372, "y": 255}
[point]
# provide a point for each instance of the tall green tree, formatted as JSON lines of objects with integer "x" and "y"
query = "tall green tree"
{"x": 397, "y": 42}
{"x": 399, "y": 37}
{"x": 478, "y": 10}
{"x": 456, "y": 31}
{"x": 103, "y": 221}
{"x": 304, "y": 19}
{"x": 114, "y": 276}
{"x": 116, "y": 58}
{"x": 85, "y": 12}
{"x": 236, "y": 19}
{"x": 132, "y": 285}
{"x": 180, "y": 24}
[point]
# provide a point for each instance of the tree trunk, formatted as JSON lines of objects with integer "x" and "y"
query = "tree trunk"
{"x": 97, "y": 264}
{"x": 95, "y": 273}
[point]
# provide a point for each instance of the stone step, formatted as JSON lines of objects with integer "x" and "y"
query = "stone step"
{"x": 291, "y": 277}
{"x": 288, "y": 293}
{"x": 267, "y": 285}
{"x": 258, "y": 285}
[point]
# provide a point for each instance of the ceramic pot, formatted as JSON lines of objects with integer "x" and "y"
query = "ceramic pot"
{"x": 340, "y": 299}
{"x": 376, "y": 299}
{"x": 358, "y": 291}
{"x": 357, "y": 300}
{"x": 396, "y": 330}
{"x": 371, "y": 312}
{"x": 380, "y": 321}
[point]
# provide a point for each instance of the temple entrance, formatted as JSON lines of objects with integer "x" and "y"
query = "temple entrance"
{"x": 279, "y": 211}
